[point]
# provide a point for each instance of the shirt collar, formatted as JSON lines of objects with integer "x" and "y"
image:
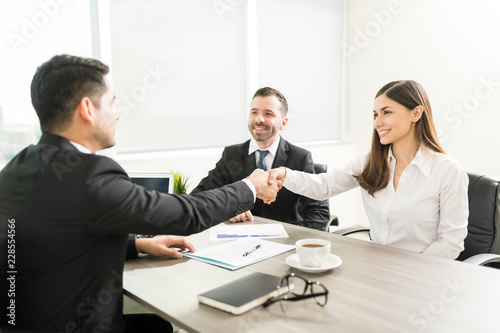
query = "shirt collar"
{"x": 81, "y": 148}
{"x": 422, "y": 160}
{"x": 272, "y": 149}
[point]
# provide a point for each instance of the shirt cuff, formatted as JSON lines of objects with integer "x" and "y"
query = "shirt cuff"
{"x": 290, "y": 178}
{"x": 252, "y": 188}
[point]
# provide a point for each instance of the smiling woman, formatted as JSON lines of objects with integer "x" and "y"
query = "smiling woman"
{"x": 414, "y": 195}
{"x": 402, "y": 123}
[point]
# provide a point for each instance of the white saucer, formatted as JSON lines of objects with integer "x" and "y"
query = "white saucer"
{"x": 331, "y": 262}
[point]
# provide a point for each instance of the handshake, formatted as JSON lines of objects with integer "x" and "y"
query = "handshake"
{"x": 267, "y": 184}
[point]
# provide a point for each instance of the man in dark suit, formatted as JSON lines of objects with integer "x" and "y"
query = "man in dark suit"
{"x": 268, "y": 116}
{"x": 66, "y": 213}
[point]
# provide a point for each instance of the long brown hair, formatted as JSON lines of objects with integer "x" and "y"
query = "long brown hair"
{"x": 375, "y": 175}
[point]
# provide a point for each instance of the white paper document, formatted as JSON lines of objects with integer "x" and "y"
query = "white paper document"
{"x": 240, "y": 252}
{"x": 225, "y": 232}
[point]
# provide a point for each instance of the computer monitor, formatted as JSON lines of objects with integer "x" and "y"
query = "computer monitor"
{"x": 161, "y": 182}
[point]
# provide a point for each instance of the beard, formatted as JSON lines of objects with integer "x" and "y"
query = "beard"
{"x": 105, "y": 140}
{"x": 269, "y": 132}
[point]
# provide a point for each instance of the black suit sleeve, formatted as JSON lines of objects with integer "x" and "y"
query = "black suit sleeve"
{"x": 316, "y": 213}
{"x": 115, "y": 205}
{"x": 131, "y": 249}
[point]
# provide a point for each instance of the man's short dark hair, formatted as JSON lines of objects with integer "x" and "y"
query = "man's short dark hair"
{"x": 60, "y": 84}
{"x": 267, "y": 91}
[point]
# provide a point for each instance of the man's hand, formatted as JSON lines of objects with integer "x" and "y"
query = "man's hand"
{"x": 266, "y": 188}
{"x": 242, "y": 217}
{"x": 161, "y": 246}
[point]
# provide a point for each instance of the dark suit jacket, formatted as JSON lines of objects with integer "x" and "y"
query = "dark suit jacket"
{"x": 235, "y": 164}
{"x": 72, "y": 214}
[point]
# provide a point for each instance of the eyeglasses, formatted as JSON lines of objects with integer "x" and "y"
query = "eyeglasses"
{"x": 301, "y": 289}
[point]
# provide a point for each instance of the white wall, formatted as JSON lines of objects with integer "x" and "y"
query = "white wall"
{"x": 452, "y": 47}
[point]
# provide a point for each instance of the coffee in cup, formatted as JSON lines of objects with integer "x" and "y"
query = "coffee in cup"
{"x": 313, "y": 252}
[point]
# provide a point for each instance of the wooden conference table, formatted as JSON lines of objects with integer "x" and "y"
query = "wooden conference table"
{"x": 376, "y": 289}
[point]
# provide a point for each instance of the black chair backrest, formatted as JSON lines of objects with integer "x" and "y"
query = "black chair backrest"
{"x": 318, "y": 168}
{"x": 484, "y": 208}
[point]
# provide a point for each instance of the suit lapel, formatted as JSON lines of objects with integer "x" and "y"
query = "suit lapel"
{"x": 281, "y": 154}
{"x": 250, "y": 165}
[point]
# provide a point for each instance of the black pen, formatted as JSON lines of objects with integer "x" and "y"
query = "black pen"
{"x": 250, "y": 251}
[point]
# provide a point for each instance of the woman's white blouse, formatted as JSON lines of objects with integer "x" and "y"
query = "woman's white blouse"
{"x": 427, "y": 213}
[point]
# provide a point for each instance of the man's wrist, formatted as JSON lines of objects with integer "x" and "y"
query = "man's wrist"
{"x": 138, "y": 245}
{"x": 139, "y": 240}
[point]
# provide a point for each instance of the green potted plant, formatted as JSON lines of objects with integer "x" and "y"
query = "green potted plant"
{"x": 180, "y": 182}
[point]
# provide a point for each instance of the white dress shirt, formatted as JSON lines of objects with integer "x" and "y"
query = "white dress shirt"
{"x": 269, "y": 159}
{"x": 81, "y": 148}
{"x": 427, "y": 213}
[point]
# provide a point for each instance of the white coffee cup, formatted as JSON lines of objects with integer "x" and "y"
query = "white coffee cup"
{"x": 313, "y": 252}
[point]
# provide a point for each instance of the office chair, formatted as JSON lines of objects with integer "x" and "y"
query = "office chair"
{"x": 482, "y": 244}
{"x": 320, "y": 168}
{"x": 352, "y": 230}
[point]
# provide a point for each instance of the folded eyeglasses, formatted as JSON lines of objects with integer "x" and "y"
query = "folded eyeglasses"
{"x": 300, "y": 289}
